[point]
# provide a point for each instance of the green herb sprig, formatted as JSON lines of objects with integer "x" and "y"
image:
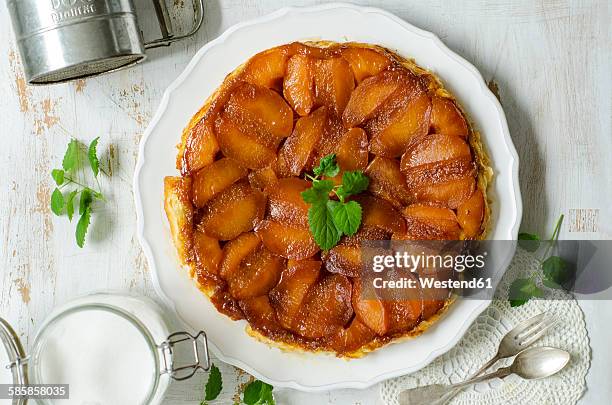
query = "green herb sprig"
{"x": 258, "y": 393}
{"x": 65, "y": 178}
{"x": 330, "y": 219}
{"x": 255, "y": 393}
{"x": 555, "y": 271}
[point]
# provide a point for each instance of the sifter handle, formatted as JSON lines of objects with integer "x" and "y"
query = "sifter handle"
{"x": 165, "y": 24}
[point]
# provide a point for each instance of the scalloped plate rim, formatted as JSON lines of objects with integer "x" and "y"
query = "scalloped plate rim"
{"x": 141, "y": 161}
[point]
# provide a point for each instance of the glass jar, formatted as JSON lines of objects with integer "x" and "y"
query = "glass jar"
{"x": 108, "y": 348}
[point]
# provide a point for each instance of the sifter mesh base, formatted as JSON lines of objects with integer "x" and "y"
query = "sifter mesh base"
{"x": 87, "y": 69}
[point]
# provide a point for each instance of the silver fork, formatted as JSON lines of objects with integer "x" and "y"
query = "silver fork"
{"x": 519, "y": 338}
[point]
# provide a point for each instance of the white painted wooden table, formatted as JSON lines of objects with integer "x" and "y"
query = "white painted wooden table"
{"x": 550, "y": 60}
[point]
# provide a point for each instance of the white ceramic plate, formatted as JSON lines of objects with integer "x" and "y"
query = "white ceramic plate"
{"x": 205, "y": 72}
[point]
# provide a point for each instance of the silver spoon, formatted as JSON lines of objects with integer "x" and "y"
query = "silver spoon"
{"x": 530, "y": 364}
{"x": 518, "y": 339}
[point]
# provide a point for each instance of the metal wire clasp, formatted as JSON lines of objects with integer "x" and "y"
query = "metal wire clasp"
{"x": 183, "y": 372}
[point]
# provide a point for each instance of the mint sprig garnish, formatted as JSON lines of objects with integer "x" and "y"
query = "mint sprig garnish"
{"x": 329, "y": 219}
{"x": 255, "y": 393}
{"x": 555, "y": 270}
{"x": 258, "y": 393}
{"x": 66, "y": 182}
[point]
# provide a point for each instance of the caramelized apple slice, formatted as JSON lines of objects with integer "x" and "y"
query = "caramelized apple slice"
{"x": 233, "y": 212}
{"x": 298, "y": 87}
{"x": 235, "y": 251}
{"x": 368, "y": 97}
{"x": 352, "y": 151}
{"x": 427, "y": 222}
{"x": 286, "y": 205}
{"x": 352, "y": 338}
{"x": 241, "y": 147}
{"x": 439, "y": 172}
{"x": 287, "y": 241}
{"x": 255, "y": 105}
{"x": 365, "y": 62}
{"x": 396, "y": 310}
{"x": 296, "y": 280}
{"x": 434, "y": 298}
{"x": 450, "y": 193}
{"x": 326, "y": 308}
{"x": 471, "y": 213}
{"x": 214, "y": 178}
{"x": 257, "y": 274}
{"x": 260, "y": 314}
{"x": 392, "y": 132}
{"x": 404, "y": 315}
{"x": 267, "y": 68}
{"x": 369, "y": 309}
{"x": 403, "y": 306}
{"x": 334, "y": 83}
{"x": 446, "y": 118}
{"x": 377, "y": 212}
{"x": 226, "y": 304}
{"x": 438, "y": 158}
{"x": 263, "y": 179}
{"x": 345, "y": 258}
{"x": 207, "y": 253}
{"x": 297, "y": 149}
{"x": 430, "y": 213}
{"x": 434, "y": 148}
{"x": 333, "y": 131}
{"x": 386, "y": 181}
{"x": 201, "y": 147}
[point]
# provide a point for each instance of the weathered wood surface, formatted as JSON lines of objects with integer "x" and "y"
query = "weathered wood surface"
{"x": 548, "y": 60}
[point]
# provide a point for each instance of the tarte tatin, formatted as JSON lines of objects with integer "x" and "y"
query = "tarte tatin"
{"x": 238, "y": 220}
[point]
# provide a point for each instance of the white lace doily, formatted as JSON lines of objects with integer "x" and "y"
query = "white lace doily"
{"x": 480, "y": 344}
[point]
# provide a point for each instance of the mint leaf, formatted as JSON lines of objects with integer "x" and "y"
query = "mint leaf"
{"x": 82, "y": 226}
{"x": 529, "y": 242}
{"x": 214, "y": 385}
{"x": 58, "y": 176}
{"x": 319, "y": 192}
{"x": 267, "y": 398}
{"x": 85, "y": 201}
{"x": 556, "y": 270}
{"x": 92, "y": 155}
{"x": 71, "y": 155}
{"x": 522, "y": 290}
{"x": 327, "y": 166}
{"x": 322, "y": 226}
{"x": 258, "y": 393}
{"x": 70, "y": 204}
{"x": 346, "y": 216}
{"x": 353, "y": 182}
{"x": 57, "y": 202}
{"x": 252, "y": 392}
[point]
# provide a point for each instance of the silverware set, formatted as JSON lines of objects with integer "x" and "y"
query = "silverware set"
{"x": 529, "y": 363}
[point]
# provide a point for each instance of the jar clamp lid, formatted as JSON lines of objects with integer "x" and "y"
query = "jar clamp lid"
{"x": 154, "y": 339}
